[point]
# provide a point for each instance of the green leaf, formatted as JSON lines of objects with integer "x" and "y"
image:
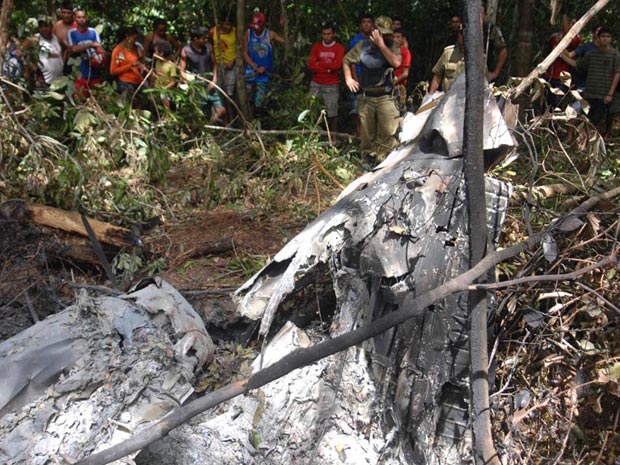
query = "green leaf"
{"x": 50, "y": 94}
{"x": 83, "y": 119}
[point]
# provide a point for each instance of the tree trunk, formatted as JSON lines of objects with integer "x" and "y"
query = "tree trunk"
{"x": 5, "y": 18}
{"x": 51, "y": 10}
{"x": 288, "y": 46}
{"x": 241, "y": 28}
{"x": 523, "y": 53}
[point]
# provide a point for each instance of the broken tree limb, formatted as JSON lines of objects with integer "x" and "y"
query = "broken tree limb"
{"x": 547, "y": 191}
{"x": 99, "y": 251}
{"x": 556, "y": 52}
{"x": 68, "y": 221}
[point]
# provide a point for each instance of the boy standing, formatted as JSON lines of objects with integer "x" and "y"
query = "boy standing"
{"x": 197, "y": 59}
{"x": 602, "y": 68}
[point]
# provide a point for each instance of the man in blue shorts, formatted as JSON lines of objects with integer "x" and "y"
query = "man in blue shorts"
{"x": 258, "y": 56}
{"x": 197, "y": 59}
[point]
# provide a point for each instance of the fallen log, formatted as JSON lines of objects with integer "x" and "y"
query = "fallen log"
{"x": 68, "y": 221}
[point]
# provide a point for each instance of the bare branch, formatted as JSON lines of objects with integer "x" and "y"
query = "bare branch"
{"x": 609, "y": 260}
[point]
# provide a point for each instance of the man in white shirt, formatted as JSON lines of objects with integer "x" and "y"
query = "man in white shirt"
{"x": 50, "y": 53}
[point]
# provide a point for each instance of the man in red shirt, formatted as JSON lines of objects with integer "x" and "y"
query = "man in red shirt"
{"x": 402, "y": 72}
{"x": 325, "y": 62}
{"x": 554, "y": 72}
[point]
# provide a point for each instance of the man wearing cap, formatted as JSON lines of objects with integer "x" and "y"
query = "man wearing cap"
{"x": 50, "y": 53}
{"x": 451, "y": 63}
{"x": 258, "y": 56}
{"x": 379, "y": 116}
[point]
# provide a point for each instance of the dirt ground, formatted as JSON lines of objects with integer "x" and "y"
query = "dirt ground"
{"x": 205, "y": 253}
{"x": 220, "y": 248}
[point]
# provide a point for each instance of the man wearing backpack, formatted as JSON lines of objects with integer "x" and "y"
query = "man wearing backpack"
{"x": 85, "y": 41}
{"x": 379, "y": 117}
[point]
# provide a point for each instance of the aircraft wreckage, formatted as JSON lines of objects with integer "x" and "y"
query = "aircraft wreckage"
{"x": 105, "y": 368}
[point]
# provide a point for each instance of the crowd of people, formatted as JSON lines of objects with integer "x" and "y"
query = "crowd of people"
{"x": 374, "y": 68}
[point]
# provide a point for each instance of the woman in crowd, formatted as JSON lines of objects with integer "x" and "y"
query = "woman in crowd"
{"x": 125, "y": 62}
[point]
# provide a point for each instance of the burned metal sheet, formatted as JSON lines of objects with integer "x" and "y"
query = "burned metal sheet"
{"x": 447, "y": 121}
{"x": 385, "y": 212}
{"x": 91, "y": 375}
{"x": 394, "y": 233}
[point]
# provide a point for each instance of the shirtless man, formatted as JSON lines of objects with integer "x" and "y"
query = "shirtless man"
{"x": 61, "y": 29}
{"x": 65, "y": 24}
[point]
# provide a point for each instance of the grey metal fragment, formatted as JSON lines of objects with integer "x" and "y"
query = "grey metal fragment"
{"x": 93, "y": 374}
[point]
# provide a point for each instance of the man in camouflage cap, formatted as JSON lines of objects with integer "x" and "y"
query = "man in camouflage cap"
{"x": 379, "y": 115}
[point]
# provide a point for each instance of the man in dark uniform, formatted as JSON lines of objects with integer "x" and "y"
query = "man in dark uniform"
{"x": 379, "y": 116}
